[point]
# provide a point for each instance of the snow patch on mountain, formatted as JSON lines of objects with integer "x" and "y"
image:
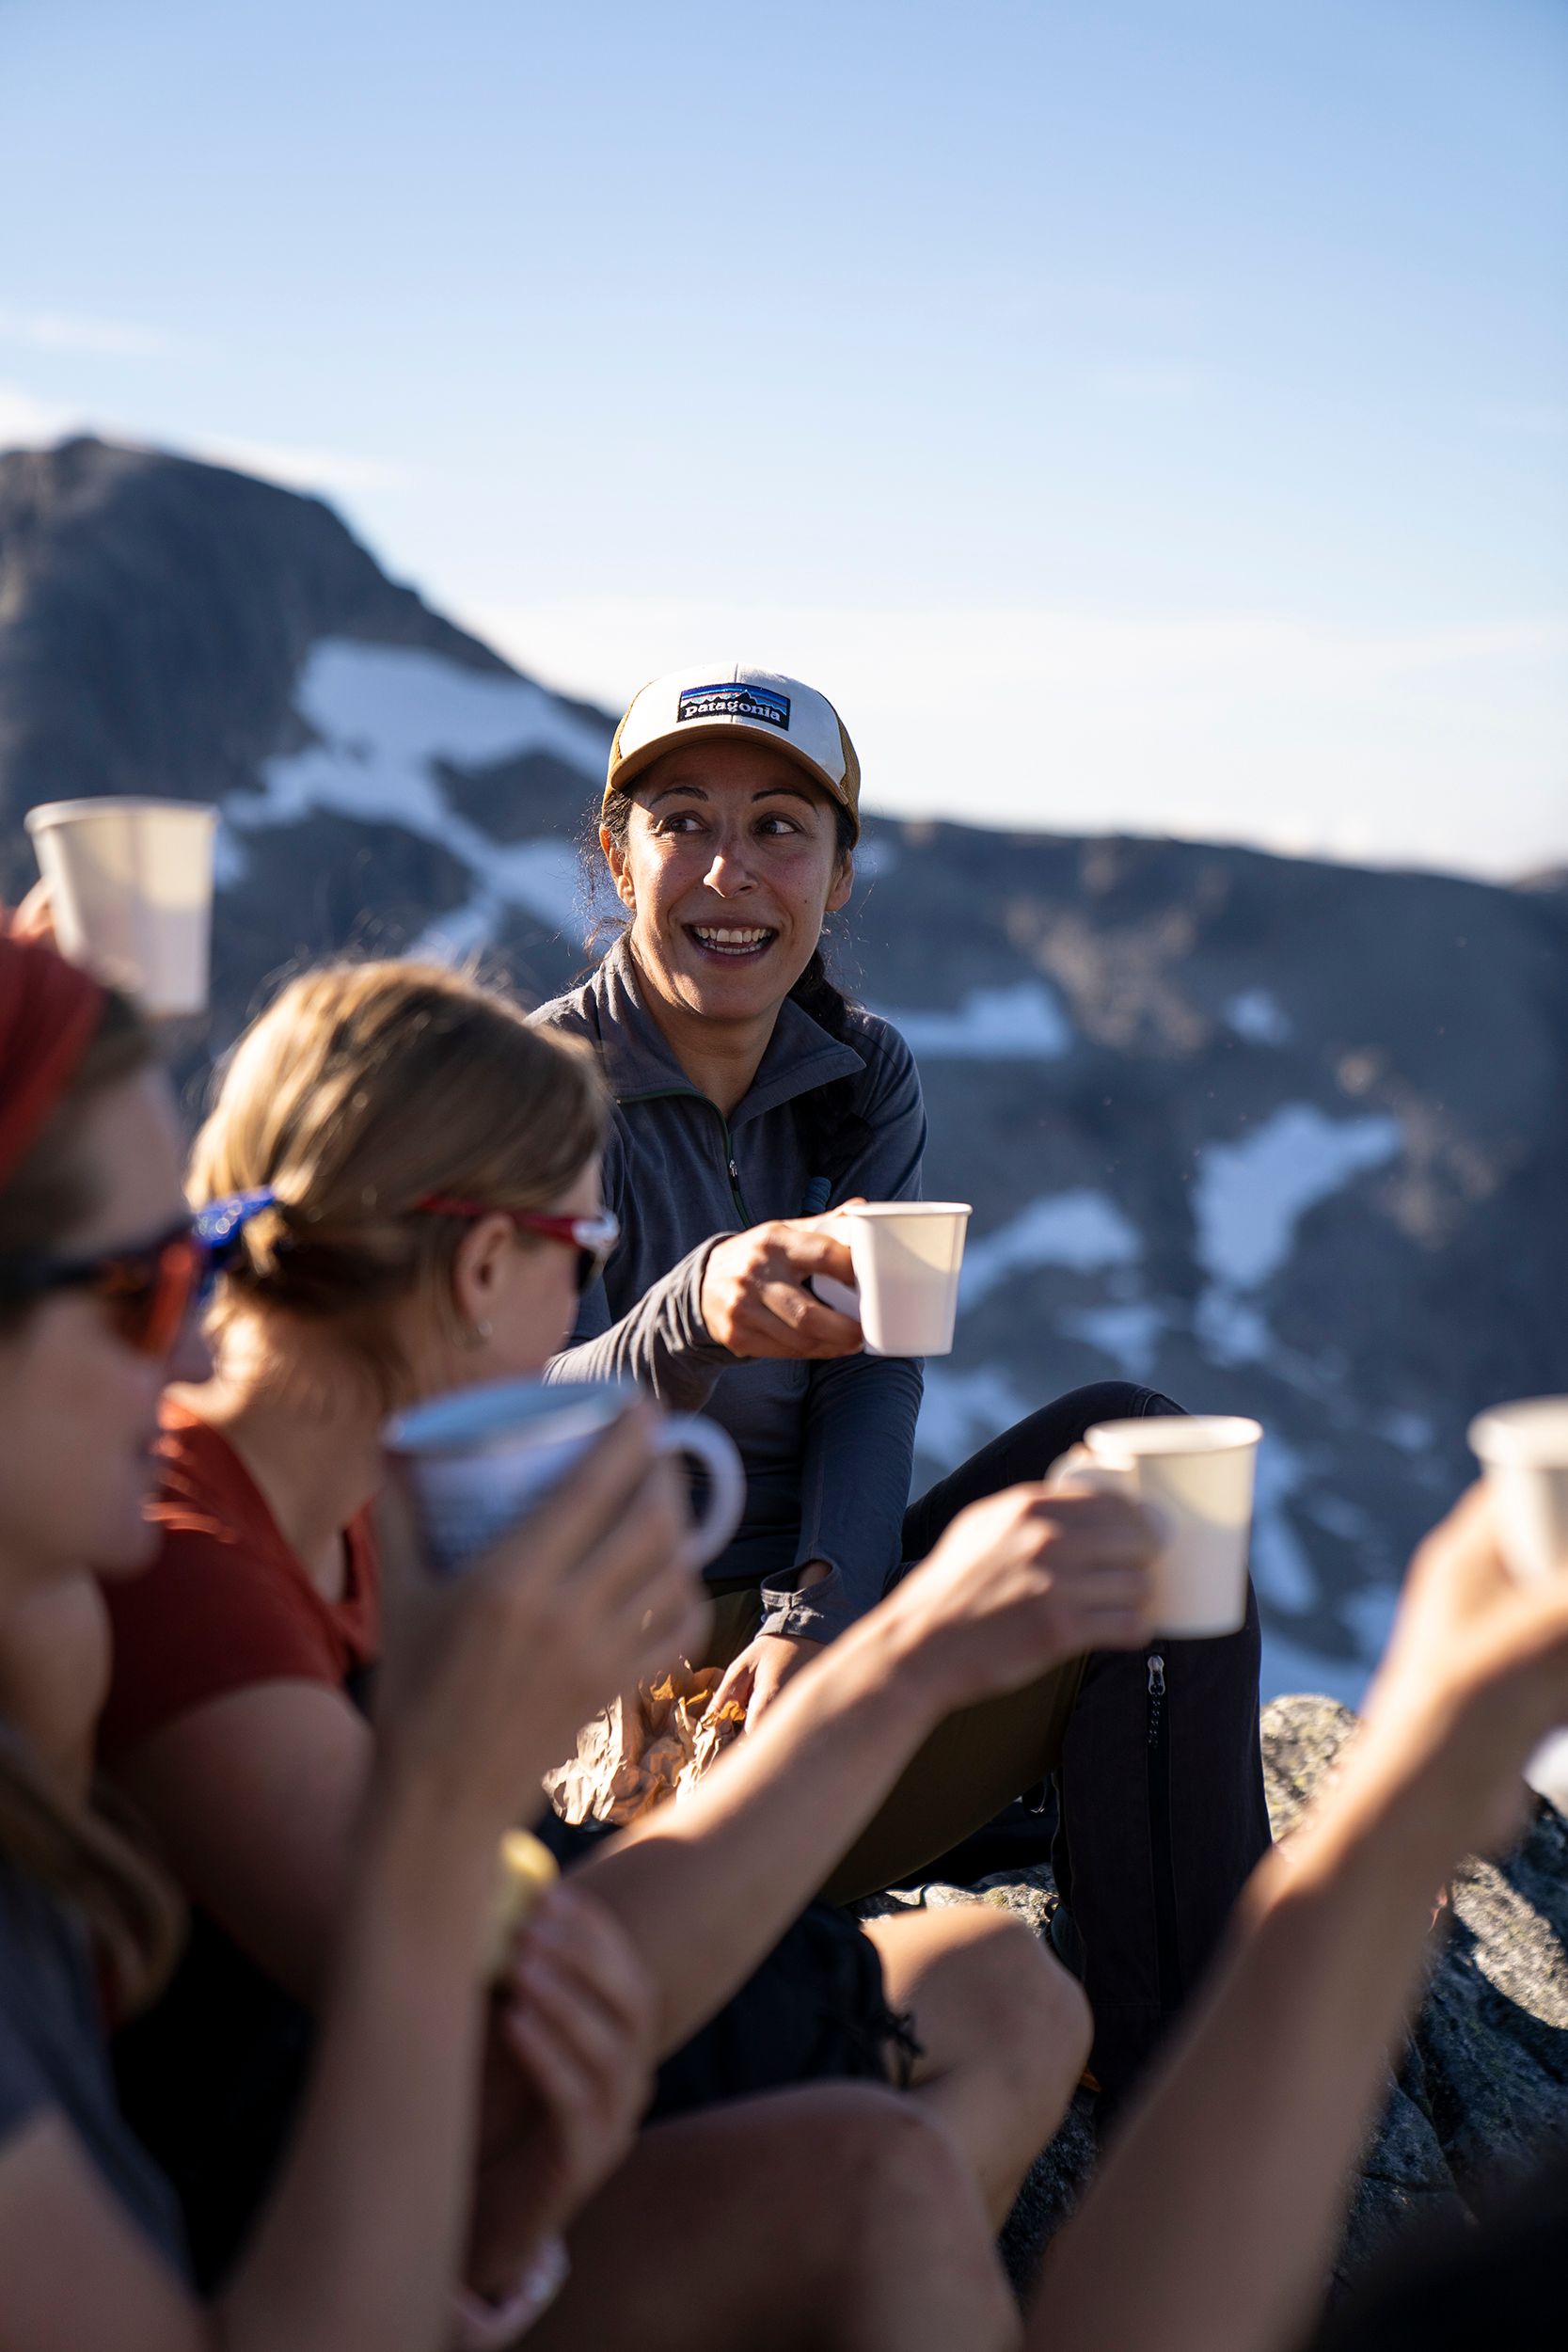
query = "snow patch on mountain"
{"x": 1231, "y": 1330}
{"x": 381, "y": 718}
{"x": 1129, "y": 1334}
{"x": 396, "y": 708}
{"x": 1281, "y": 1568}
{"x": 1081, "y": 1230}
{"x": 1257, "y": 1015}
{"x": 1023, "y": 1023}
{"x": 1250, "y": 1196}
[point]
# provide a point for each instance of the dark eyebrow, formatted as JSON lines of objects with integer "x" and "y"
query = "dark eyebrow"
{"x": 794, "y": 791}
{"x": 665, "y": 790}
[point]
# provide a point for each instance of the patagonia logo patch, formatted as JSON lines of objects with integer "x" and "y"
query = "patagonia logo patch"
{"x": 734, "y": 701}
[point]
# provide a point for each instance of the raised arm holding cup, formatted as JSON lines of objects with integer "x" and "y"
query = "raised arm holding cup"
{"x": 1210, "y": 2226}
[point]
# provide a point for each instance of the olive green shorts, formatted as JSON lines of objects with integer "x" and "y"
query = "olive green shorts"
{"x": 971, "y": 1765}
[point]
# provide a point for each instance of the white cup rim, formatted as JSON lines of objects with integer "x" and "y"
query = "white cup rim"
{"x": 491, "y": 1413}
{"x": 52, "y": 813}
{"x": 1531, "y": 1432}
{"x": 906, "y": 1208}
{"x": 1177, "y": 1434}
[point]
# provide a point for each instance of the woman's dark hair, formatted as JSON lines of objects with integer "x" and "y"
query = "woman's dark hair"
{"x": 834, "y": 1128}
{"x": 133, "y": 1913}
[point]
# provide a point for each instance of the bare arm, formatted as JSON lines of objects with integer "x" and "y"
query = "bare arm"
{"x": 252, "y": 1798}
{"x": 356, "y": 2253}
{"x": 362, "y": 2243}
{"x": 1238, "y": 2166}
{"x": 747, "y": 1850}
{"x": 1018, "y": 1583}
{"x": 1210, "y": 2226}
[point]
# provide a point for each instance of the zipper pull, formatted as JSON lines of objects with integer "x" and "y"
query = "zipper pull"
{"x": 735, "y": 1173}
{"x": 1156, "y": 1675}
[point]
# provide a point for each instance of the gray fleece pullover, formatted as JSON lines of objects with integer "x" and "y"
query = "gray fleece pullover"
{"x": 828, "y": 1447}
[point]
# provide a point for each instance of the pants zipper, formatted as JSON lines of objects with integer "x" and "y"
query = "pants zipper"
{"x": 1161, "y": 1856}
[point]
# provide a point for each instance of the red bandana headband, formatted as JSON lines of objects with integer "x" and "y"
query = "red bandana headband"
{"x": 49, "y": 1016}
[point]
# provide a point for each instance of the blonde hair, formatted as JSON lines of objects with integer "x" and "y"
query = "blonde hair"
{"x": 133, "y": 1914}
{"x": 363, "y": 1089}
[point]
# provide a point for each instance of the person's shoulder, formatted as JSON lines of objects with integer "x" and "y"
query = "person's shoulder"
{"x": 222, "y": 1602}
{"x": 890, "y": 1066}
{"x": 578, "y": 1011}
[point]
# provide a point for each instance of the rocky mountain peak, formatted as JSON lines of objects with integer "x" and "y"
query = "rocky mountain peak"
{"x": 1275, "y": 1135}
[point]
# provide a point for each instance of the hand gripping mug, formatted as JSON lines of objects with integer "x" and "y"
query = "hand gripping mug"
{"x": 1195, "y": 1470}
{"x": 479, "y": 1459}
{"x": 907, "y": 1256}
{"x": 1524, "y": 1450}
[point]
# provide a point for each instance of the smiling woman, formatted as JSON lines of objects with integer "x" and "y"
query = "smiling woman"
{"x": 729, "y": 855}
{"x": 751, "y": 1100}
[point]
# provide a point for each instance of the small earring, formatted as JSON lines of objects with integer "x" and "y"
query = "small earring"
{"x": 477, "y": 1333}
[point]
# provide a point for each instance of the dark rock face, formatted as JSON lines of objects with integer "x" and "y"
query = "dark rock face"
{"x": 1277, "y": 1138}
{"x": 1483, "y": 2087}
{"x": 154, "y": 615}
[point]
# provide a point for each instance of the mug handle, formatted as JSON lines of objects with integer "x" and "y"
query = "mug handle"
{"x": 688, "y": 1433}
{"x": 845, "y": 1297}
{"x": 1079, "y": 1471}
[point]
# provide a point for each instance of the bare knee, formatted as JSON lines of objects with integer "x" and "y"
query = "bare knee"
{"x": 912, "y": 2241}
{"x": 1033, "y": 2009}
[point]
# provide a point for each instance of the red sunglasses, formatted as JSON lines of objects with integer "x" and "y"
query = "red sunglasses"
{"x": 147, "y": 1291}
{"x": 593, "y": 1237}
{"x": 150, "y": 1290}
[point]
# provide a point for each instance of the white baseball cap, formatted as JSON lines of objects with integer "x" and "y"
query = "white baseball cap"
{"x": 717, "y": 698}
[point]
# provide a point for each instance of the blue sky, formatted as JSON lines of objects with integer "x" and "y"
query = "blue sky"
{"x": 1150, "y": 415}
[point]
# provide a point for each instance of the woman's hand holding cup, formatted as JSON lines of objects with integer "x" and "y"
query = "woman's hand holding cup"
{"x": 1474, "y": 1675}
{"x": 489, "y": 1677}
{"x": 1025, "y": 1580}
{"x": 754, "y": 1299}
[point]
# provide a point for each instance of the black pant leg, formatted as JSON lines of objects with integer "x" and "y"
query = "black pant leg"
{"x": 1161, "y": 1822}
{"x": 1026, "y": 1451}
{"x": 1160, "y": 1810}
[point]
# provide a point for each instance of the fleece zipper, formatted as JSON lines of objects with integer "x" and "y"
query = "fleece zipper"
{"x": 691, "y": 1094}
{"x": 1161, "y": 1853}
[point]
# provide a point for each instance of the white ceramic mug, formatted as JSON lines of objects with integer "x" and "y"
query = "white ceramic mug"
{"x": 907, "y": 1256}
{"x": 1197, "y": 1470}
{"x": 130, "y": 892}
{"x": 1524, "y": 1450}
{"x": 479, "y": 1459}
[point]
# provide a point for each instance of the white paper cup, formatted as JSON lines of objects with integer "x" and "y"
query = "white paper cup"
{"x": 478, "y": 1460}
{"x": 908, "y": 1255}
{"x": 1197, "y": 1470}
{"x": 1524, "y": 1450}
{"x": 131, "y": 890}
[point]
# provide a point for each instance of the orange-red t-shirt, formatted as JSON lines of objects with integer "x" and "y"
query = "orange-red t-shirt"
{"x": 226, "y": 1603}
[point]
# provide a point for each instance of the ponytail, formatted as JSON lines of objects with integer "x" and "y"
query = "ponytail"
{"x": 834, "y": 1129}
